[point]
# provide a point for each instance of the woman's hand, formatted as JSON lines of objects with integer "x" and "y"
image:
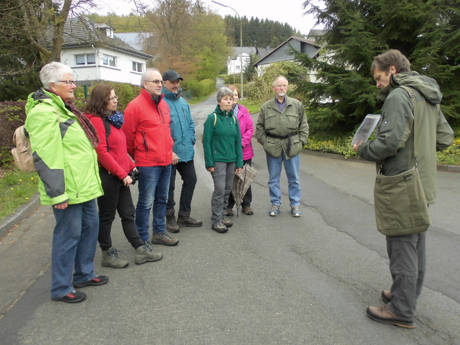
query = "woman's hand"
{"x": 127, "y": 180}
{"x": 238, "y": 171}
{"x": 175, "y": 159}
{"x": 211, "y": 169}
{"x": 62, "y": 205}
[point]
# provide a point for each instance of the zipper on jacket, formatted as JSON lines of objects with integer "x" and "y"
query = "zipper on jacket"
{"x": 144, "y": 139}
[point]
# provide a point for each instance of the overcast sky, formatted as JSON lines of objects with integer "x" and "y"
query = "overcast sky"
{"x": 284, "y": 11}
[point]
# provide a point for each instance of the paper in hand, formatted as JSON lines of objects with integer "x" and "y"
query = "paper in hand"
{"x": 366, "y": 128}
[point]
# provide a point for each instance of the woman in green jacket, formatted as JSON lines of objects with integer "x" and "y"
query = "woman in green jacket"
{"x": 63, "y": 142}
{"x": 223, "y": 155}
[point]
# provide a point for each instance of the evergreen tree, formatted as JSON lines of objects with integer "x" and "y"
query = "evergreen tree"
{"x": 427, "y": 32}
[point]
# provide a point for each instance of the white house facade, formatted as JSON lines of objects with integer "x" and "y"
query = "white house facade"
{"x": 94, "y": 54}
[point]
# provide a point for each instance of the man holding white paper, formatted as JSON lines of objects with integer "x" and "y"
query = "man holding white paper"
{"x": 411, "y": 100}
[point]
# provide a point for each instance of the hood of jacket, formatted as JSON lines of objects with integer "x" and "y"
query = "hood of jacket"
{"x": 428, "y": 87}
{"x": 39, "y": 96}
{"x": 171, "y": 95}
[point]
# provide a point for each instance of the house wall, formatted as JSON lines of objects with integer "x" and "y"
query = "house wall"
{"x": 122, "y": 72}
{"x": 234, "y": 65}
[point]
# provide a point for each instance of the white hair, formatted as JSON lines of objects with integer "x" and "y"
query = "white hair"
{"x": 53, "y": 72}
{"x": 278, "y": 78}
{"x": 222, "y": 92}
{"x": 147, "y": 74}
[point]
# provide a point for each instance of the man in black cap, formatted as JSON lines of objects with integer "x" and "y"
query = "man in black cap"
{"x": 183, "y": 134}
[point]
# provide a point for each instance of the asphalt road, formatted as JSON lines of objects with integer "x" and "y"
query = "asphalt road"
{"x": 267, "y": 281}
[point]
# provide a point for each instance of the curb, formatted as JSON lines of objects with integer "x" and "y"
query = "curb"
{"x": 21, "y": 213}
{"x": 441, "y": 167}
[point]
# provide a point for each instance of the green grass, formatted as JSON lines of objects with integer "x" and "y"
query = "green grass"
{"x": 253, "y": 107}
{"x": 16, "y": 189}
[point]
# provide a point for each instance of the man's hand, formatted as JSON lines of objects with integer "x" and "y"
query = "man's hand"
{"x": 356, "y": 146}
{"x": 62, "y": 205}
{"x": 211, "y": 169}
{"x": 175, "y": 159}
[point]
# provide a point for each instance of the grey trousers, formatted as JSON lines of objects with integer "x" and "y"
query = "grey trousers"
{"x": 407, "y": 266}
{"x": 223, "y": 180}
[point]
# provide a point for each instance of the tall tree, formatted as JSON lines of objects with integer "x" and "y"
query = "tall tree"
{"x": 427, "y": 32}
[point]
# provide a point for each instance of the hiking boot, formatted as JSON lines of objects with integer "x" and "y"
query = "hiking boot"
{"x": 220, "y": 227}
{"x": 386, "y": 296}
{"x": 96, "y": 281}
{"x": 171, "y": 224}
{"x": 164, "y": 239}
{"x": 145, "y": 254}
{"x": 385, "y": 315}
{"x": 110, "y": 258}
{"x": 248, "y": 211}
{"x": 188, "y": 221}
{"x": 274, "y": 211}
{"x": 295, "y": 211}
{"x": 227, "y": 222}
{"x": 71, "y": 297}
{"x": 228, "y": 212}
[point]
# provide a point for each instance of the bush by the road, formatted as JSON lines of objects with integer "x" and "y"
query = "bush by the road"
{"x": 197, "y": 89}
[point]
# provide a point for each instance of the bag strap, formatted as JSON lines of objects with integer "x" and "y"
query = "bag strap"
{"x": 107, "y": 132}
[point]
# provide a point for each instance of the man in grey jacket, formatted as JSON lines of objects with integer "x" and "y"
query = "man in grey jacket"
{"x": 282, "y": 129}
{"x": 396, "y": 149}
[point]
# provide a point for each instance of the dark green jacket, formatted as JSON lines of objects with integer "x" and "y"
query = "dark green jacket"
{"x": 393, "y": 147}
{"x": 63, "y": 156}
{"x": 274, "y": 127}
{"x": 222, "y": 139}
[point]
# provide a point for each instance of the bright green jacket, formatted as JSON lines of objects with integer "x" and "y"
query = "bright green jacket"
{"x": 397, "y": 146}
{"x": 64, "y": 158}
{"x": 222, "y": 139}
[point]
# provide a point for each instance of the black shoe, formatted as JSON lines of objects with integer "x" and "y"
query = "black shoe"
{"x": 96, "y": 281}
{"x": 189, "y": 222}
{"x": 71, "y": 297}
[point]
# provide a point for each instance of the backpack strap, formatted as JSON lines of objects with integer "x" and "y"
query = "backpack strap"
{"x": 107, "y": 132}
{"x": 215, "y": 119}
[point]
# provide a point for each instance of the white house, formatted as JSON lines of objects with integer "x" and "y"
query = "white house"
{"x": 283, "y": 52}
{"x": 95, "y": 54}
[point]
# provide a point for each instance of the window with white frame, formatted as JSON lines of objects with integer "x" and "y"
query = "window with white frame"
{"x": 85, "y": 59}
{"x": 109, "y": 60}
{"x": 137, "y": 66}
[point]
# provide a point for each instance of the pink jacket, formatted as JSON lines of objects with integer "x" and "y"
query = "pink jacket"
{"x": 247, "y": 130}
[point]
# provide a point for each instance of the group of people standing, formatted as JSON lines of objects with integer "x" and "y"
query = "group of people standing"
{"x": 93, "y": 157}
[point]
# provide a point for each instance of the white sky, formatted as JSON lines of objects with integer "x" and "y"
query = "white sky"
{"x": 284, "y": 11}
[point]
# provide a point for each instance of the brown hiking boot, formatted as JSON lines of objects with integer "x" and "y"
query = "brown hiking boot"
{"x": 248, "y": 211}
{"x": 188, "y": 221}
{"x": 164, "y": 239}
{"x": 385, "y": 315}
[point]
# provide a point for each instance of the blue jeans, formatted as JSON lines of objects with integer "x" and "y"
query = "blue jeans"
{"x": 74, "y": 246}
{"x": 153, "y": 191}
{"x": 291, "y": 166}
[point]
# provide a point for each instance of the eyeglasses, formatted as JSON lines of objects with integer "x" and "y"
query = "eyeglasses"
{"x": 156, "y": 81}
{"x": 113, "y": 98}
{"x": 67, "y": 82}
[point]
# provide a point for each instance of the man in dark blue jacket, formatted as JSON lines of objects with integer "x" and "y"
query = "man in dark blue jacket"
{"x": 183, "y": 134}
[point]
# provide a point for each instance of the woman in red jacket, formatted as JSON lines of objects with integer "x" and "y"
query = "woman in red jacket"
{"x": 117, "y": 173}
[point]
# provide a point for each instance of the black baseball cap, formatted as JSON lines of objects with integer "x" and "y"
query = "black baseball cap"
{"x": 171, "y": 75}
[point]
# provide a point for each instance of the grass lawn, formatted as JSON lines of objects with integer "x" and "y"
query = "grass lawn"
{"x": 16, "y": 188}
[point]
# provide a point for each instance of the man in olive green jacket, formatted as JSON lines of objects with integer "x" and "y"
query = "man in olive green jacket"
{"x": 397, "y": 148}
{"x": 282, "y": 129}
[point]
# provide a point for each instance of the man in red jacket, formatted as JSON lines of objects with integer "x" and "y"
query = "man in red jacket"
{"x": 149, "y": 142}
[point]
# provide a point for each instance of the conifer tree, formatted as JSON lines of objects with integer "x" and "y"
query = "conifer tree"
{"x": 427, "y": 32}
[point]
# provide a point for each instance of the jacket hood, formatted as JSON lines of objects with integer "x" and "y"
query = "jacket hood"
{"x": 37, "y": 97}
{"x": 171, "y": 95}
{"x": 427, "y": 86}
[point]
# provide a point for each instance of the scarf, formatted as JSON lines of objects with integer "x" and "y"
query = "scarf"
{"x": 116, "y": 119}
{"x": 85, "y": 124}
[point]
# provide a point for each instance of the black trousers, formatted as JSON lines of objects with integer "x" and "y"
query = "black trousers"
{"x": 188, "y": 175}
{"x": 247, "y": 199}
{"x": 117, "y": 197}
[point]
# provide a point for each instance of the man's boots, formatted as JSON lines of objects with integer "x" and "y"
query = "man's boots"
{"x": 187, "y": 221}
{"x": 171, "y": 224}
